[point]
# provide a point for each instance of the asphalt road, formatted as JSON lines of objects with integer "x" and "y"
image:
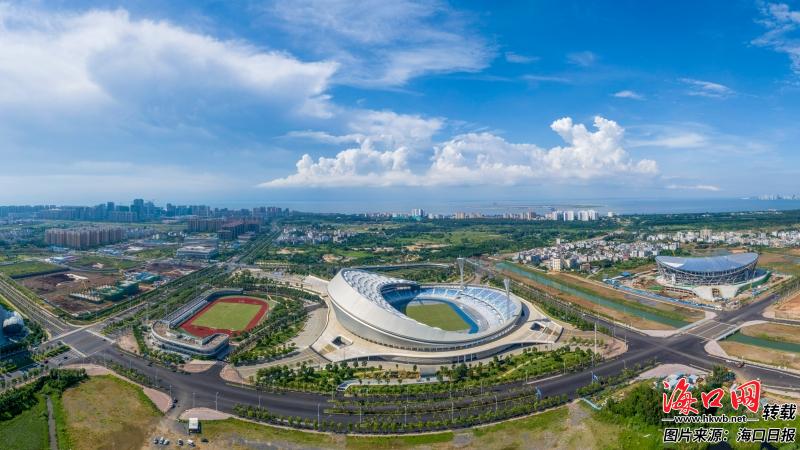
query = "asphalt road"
{"x": 51, "y": 323}
{"x": 202, "y": 389}
{"x": 207, "y": 389}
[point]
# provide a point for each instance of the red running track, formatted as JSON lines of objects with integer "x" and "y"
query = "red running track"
{"x": 200, "y": 331}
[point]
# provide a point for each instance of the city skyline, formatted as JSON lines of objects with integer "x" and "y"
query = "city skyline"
{"x": 203, "y": 102}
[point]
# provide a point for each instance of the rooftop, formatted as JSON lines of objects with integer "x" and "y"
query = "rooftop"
{"x": 720, "y": 263}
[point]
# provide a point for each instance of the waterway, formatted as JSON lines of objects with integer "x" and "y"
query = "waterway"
{"x": 596, "y": 299}
{"x": 766, "y": 343}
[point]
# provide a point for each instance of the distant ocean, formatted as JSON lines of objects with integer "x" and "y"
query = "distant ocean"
{"x": 617, "y": 206}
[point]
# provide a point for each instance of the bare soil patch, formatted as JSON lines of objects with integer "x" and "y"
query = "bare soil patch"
{"x": 761, "y": 354}
{"x": 788, "y": 309}
{"x": 55, "y": 288}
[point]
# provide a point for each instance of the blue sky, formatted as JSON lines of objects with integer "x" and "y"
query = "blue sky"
{"x": 267, "y": 102}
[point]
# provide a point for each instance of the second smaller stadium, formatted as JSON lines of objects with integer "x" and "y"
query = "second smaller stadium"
{"x": 230, "y": 314}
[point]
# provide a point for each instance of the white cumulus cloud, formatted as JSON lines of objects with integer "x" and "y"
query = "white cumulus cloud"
{"x": 478, "y": 159}
{"x": 102, "y": 57}
{"x": 386, "y": 128}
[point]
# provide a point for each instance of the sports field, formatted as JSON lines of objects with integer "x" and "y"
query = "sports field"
{"x": 229, "y": 315}
{"x": 439, "y": 315}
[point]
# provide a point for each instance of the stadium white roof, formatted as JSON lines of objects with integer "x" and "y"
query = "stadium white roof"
{"x": 359, "y": 294}
{"x": 721, "y": 263}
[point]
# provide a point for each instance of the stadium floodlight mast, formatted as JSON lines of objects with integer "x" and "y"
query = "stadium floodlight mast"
{"x": 595, "y": 342}
{"x": 460, "y": 262}
{"x": 507, "y": 284}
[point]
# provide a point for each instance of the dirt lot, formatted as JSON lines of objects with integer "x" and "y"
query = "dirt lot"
{"x": 788, "y": 309}
{"x": 56, "y": 288}
{"x": 128, "y": 342}
{"x": 170, "y": 270}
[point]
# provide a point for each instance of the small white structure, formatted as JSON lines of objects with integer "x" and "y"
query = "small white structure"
{"x": 194, "y": 425}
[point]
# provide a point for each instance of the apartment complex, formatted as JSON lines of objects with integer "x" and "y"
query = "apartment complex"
{"x": 83, "y": 238}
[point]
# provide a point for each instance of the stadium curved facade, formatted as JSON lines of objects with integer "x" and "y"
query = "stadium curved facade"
{"x": 714, "y": 270}
{"x": 711, "y": 278}
{"x": 371, "y": 305}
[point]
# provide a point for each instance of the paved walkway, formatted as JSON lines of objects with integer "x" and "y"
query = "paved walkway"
{"x": 665, "y": 370}
{"x": 313, "y": 328}
{"x": 204, "y": 414}
{"x": 51, "y": 425}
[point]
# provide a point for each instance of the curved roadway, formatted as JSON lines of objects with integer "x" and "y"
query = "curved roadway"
{"x": 201, "y": 389}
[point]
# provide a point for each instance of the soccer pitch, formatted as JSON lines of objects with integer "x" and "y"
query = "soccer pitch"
{"x": 227, "y": 316}
{"x": 439, "y": 315}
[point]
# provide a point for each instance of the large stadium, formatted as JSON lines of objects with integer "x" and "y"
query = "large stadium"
{"x": 388, "y": 314}
{"x": 710, "y": 278}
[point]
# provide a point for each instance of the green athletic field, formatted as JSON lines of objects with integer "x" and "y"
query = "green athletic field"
{"x": 227, "y": 316}
{"x": 437, "y": 315}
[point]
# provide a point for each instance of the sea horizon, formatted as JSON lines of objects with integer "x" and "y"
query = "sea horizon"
{"x": 499, "y": 207}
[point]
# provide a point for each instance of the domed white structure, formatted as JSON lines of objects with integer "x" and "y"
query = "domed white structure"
{"x": 371, "y": 306}
{"x": 710, "y": 278}
{"x": 13, "y": 324}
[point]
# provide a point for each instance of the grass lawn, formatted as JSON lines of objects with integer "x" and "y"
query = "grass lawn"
{"x": 227, "y": 316}
{"x": 569, "y": 427}
{"x": 760, "y": 354}
{"x": 778, "y": 262}
{"x": 105, "y": 412}
{"x": 105, "y": 262}
{"x": 27, "y": 430}
{"x": 774, "y": 332}
{"x": 26, "y": 268}
{"x": 437, "y": 315}
{"x": 157, "y": 253}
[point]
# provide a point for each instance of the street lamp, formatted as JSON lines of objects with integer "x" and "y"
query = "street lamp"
{"x": 216, "y": 405}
